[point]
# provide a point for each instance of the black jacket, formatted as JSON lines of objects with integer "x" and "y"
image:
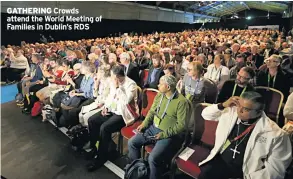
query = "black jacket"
{"x": 227, "y": 90}
{"x": 133, "y": 73}
{"x": 282, "y": 82}
{"x": 159, "y": 74}
{"x": 258, "y": 60}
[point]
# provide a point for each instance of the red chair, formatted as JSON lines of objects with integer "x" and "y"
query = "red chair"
{"x": 273, "y": 100}
{"x": 144, "y": 76}
{"x": 148, "y": 95}
{"x": 201, "y": 149}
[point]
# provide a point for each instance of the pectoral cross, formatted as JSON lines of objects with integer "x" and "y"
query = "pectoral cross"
{"x": 234, "y": 151}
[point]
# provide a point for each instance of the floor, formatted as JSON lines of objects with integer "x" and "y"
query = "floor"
{"x": 31, "y": 149}
{"x": 8, "y": 93}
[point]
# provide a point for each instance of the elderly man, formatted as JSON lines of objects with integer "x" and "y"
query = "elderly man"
{"x": 274, "y": 77}
{"x": 248, "y": 144}
{"x": 163, "y": 126}
{"x": 130, "y": 69}
{"x": 257, "y": 59}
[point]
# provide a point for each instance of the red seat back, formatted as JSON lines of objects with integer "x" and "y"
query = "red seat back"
{"x": 148, "y": 96}
{"x": 203, "y": 130}
{"x": 273, "y": 100}
{"x": 144, "y": 75}
{"x": 209, "y": 134}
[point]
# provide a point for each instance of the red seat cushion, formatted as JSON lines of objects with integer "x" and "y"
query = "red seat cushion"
{"x": 127, "y": 132}
{"x": 190, "y": 166}
{"x": 149, "y": 148}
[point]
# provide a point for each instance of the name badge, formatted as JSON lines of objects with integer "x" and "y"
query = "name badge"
{"x": 67, "y": 87}
{"x": 225, "y": 146}
{"x": 113, "y": 106}
{"x": 157, "y": 121}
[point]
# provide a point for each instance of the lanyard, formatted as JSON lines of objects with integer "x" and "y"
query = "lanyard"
{"x": 169, "y": 100}
{"x": 269, "y": 79}
{"x": 217, "y": 73}
{"x": 235, "y": 90}
{"x": 244, "y": 132}
{"x": 195, "y": 85}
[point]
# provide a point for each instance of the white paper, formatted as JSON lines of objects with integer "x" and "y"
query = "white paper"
{"x": 88, "y": 108}
{"x": 186, "y": 153}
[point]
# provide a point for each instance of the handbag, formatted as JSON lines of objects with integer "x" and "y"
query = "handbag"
{"x": 71, "y": 101}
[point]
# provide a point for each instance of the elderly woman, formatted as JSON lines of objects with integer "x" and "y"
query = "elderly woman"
{"x": 101, "y": 92}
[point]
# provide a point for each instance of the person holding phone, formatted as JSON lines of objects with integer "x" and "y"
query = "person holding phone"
{"x": 163, "y": 126}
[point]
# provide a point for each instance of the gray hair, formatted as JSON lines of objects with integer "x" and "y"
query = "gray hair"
{"x": 125, "y": 55}
{"x": 256, "y": 98}
{"x": 170, "y": 80}
{"x": 87, "y": 66}
{"x": 202, "y": 55}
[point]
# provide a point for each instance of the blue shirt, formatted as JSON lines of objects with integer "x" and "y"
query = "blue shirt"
{"x": 86, "y": 87}
{"x": 36, "y": 72}
{"x": 153, "y": 75}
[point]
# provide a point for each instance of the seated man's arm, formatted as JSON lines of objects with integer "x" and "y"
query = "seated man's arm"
{"x": 288, "y": 109}
{"x": 182, "y": 114}
{"x": 277, "y": 161}
{"x": 212, "y": 112}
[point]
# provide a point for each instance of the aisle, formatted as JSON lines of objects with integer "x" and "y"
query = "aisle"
{"x": 8, "y": 93}
{"x": 32, "y": 149}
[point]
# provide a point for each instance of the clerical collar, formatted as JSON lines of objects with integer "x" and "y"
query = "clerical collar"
{"x": 249, "y": 122}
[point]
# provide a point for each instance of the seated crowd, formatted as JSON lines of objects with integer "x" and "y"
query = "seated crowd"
{"x": 96, "y": 83}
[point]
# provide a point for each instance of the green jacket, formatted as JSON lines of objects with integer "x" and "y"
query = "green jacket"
{"x": 173, "y": 122}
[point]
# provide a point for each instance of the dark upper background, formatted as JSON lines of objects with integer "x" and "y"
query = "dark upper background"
{"x": 109, "y": 27}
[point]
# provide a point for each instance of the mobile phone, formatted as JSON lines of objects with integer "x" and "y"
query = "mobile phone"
{"x": 151, "y": 137}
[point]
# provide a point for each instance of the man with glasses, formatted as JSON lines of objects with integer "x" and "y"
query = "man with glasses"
{"x": 238, "y": 86}
{"x": 274, "y": 77}
{"x": 248, "y": 144}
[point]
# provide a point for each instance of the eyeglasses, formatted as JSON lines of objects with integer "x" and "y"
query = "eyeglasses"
{"x": 270, "y": 60}
{"x": 243, "y": 77}
{"x": 245, "y": 109}
{"x": 189, "y": 69}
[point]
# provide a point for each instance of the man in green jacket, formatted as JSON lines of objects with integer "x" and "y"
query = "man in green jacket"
{"x": 163, "y": 126}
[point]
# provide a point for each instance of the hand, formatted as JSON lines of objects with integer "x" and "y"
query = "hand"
{"x": 157, "y": 137}
{"x": 100, "y": 105}
{"x": 140, "y": 128}
{"x": 104, "y": 112}
{"x": 51, "y": 79}
{"x": 40, "y": 82}
{"x": 72, "y": 93}
{"x": 69, "y": 80}
{"x": 232, "y": 101}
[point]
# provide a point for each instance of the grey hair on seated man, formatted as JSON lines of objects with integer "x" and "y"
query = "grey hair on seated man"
{"x": 170, "y": 81}
{"x": 255, "y": 98}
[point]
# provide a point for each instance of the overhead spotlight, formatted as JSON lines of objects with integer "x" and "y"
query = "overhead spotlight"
{"x": 248, "y": 18}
